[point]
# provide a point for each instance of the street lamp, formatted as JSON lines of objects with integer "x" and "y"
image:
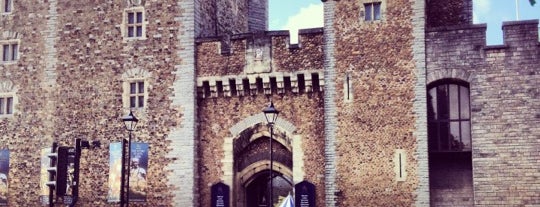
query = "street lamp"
{"x": 271, "y": 115}
{"x": 130, "y": 122}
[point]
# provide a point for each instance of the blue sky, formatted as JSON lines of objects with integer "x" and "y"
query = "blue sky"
{"x": 297, "y": 14}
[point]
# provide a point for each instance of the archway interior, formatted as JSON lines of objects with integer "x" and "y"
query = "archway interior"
{"x": 252, "y": 166}
{"x": 258, "y": 190}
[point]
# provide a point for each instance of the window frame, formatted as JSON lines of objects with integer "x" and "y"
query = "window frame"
{"x": 6, "y": 6}
{"x": 135, "y": 94}
{"x": 7, "y": 105}
{"x": 435, "y": 119}
{"x": 140, "y": 98}
{"x": 370, "y": 11}
{"x": 133, "y": 19}
{"x": 13, "y": 47}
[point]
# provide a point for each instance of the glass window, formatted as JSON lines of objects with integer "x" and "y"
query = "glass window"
{"x": 5, "y": 56}
{"x": 135, "y": 24}
{"x": 6, "y": 6}
{"x": 377, "y": 11}
{"x": 2, "y": 105}
{"x": 368, "y": 9}
{"x": 136, "y": 94}
{"x": 9, "y": 105}
{"x": 372, "y": 11}
{"x": 6, "y": 105}
{"x": 10, "y": 52}
{"x": 14, "y": 51}
{"x": 449, "y": 116}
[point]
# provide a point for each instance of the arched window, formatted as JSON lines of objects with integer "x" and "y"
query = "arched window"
{"x": 449, "y": 117}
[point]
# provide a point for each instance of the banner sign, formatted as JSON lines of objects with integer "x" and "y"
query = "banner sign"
{"x": 115, "y": 169}
{"x": 137, "y": 178}
{"x": 4, "y": 179}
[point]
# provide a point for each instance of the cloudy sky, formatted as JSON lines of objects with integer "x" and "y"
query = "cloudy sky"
{"x": 296, "y": 14}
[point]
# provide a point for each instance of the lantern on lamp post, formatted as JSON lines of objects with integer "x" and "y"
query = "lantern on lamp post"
{"x": 271, "y": 114}
{"x": 130, "y": 122}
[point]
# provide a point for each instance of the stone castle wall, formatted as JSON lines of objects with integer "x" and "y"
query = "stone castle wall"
{"x": 504, "y": 92}
{"x": 220, "y": 61}
{"x": 375, "y": 80}
{"x": 73, "y": 60}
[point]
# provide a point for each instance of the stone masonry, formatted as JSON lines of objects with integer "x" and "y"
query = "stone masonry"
{"x": 352, "y": 98}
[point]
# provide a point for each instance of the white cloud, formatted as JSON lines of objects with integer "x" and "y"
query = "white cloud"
{"x": 308, "y": 17}
{"x": 480, "y": 9}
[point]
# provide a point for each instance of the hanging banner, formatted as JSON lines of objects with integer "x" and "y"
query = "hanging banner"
{"x": 44, "y": 176}
{"x": 4, "y": 170}
{"x": 137, "y": 178}
{"x": 115, "y": 169}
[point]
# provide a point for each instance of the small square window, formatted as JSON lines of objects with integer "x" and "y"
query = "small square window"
{"x": 372, "y": 11}
{"x": 10, "y": 52}
{"x": 135, "y": 23}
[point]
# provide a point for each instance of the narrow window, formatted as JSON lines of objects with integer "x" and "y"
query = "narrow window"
{"x": 368, "y": 10}
{"x": 14, "y": 52}
{"x": 7, "y": 6}
{"x": 9, "y": 105}
{"x": 347, "y": 88}
{"x": 400, "y": 164}
{"x": 2, "y": 105}
{"x": 377, "y": 11}
{"x": 5, "y": 52}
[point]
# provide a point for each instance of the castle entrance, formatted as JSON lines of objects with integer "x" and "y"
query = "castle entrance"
{"x": 252, "y": 167}
{"x": 258, "y": 191}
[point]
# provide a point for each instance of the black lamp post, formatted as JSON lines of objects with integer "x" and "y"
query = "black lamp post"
{"x": 130, "y": 122}
{"x": 271, "y": 115}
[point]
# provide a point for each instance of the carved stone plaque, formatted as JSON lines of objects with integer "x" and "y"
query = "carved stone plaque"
{"x": 258, "y": 56}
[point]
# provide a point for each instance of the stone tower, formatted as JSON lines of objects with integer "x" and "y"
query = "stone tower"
{"x": 375, "y": 132}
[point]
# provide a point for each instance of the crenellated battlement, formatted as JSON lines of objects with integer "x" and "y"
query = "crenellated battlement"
{"x": 458, "y": 43}
{"x": 264, "y": 62}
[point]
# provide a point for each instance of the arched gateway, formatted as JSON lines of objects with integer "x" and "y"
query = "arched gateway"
{"x": 251, "y": 162}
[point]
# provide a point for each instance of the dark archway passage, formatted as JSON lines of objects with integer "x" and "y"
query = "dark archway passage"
{"x": 258, "y": 190}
